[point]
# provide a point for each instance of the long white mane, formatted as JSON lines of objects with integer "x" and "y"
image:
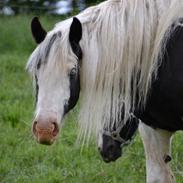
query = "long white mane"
{"x": 123, "y": 42}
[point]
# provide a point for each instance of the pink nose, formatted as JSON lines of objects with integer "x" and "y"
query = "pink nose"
{"x": 45, "y": 131}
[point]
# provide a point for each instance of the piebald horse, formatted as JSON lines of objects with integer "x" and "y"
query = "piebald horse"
{"x": 111, "y": 143}
{"x": 116, "y": 54}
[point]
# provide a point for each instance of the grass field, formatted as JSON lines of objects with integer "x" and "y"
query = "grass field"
{"x": 21, "y": 158}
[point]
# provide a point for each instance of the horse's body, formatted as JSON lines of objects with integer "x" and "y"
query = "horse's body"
{"x": 164, "y": 107}
{"x": 163, "y": 110}
{"x": 115, "y": 53}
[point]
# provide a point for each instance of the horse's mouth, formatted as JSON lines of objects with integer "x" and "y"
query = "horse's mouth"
{"x": 107, "y": 160}
{"x": 111, "y": 158}
{"x": 45, "y": 137}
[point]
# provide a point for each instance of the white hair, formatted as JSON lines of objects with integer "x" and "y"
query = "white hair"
{"x": 123, "y": 42}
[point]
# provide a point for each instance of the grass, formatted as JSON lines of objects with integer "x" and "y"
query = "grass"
{"x": 21, "y": 158}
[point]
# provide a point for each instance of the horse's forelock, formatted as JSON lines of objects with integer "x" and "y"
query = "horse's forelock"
{"x": 41, "y": 54}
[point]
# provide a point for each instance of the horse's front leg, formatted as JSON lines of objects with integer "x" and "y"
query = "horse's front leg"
{"x": 157, "y": 144}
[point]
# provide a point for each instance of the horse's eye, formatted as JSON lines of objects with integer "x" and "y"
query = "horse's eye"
{"x": 73, "y": 72}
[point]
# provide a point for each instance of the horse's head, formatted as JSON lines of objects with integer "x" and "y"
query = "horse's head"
{"x": 110, "y": 144}
{"x": 55, "y": 66}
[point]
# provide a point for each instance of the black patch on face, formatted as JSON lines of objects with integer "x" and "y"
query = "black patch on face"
{"x": 52, "y": 40}
{"x": 74, "y": 79}
{"x": 39, "y": 64}
{"x": 77, "y": 50}
{"x": 75, "y": 35}
{"x": 37, "y": 87}
{"x": 48, "y": 48}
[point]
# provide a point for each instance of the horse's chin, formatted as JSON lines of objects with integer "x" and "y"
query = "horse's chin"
{"x": 46, "y": 142}
{"x": 112, "y": 156}
{"x": 45, "y": 130}
{"x": 106, "y": 160}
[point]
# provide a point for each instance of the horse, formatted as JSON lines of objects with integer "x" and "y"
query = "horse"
{"x": 151, "y": 114}
{"x": 111, "y": 55}
{"x": 157, "y": 109}
{"x": 110, "y": 144}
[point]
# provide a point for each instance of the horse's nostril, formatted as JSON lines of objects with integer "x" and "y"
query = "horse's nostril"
{"x": 55, "y": 128}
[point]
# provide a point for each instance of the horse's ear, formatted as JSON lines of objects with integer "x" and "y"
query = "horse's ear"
{"x": 38, "y": 32}
{"x": 75, "y": 36}
{"x": 75, "y": 33}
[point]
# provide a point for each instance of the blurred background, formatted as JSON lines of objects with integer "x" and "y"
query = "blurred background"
{"x": 58, "y": 7}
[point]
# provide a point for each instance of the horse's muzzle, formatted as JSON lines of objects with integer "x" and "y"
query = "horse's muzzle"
{"x": 110, "y": 154}
{"x": 45, "y": 131}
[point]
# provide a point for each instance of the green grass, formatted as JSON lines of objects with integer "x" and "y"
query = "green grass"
{"x": 21, "y": 158}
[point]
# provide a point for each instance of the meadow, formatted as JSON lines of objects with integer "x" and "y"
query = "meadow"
{"x": 22, "y": 160}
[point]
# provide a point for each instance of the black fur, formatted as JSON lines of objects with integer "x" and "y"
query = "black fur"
{"x": 48, "y": 48}
{"x": 39, "y": 64}
{"x": 167, "y": 158}
{"x": 52, "y": 40}
{"x": 129, "y": 129}
{"x": 164, "y": 107}
{"x": 112, "y": 149}
{"x": 74, "y": 91}
{"x": 37, "y": 87}
{"x": 75, "y": 36}
{"x": 38, "y": 32}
